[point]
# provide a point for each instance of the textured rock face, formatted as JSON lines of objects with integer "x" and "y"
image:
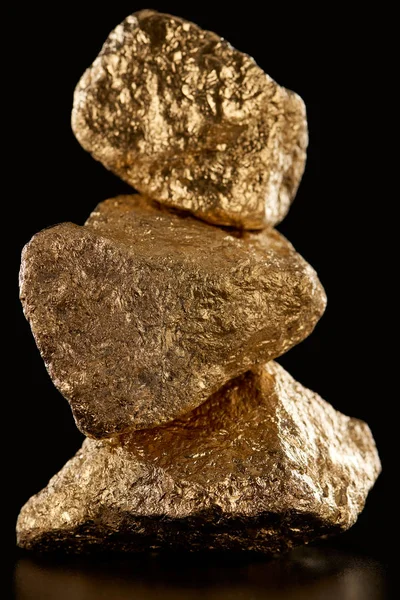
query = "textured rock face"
{"x": 191, "y": 122}
{"x": 263, "y": 465}
{"x": 141, "y": 315}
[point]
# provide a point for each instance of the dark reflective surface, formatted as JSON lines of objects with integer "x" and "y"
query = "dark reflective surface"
{"x": 309, "y": 573}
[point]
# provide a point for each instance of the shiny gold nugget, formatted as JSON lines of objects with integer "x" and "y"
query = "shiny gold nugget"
{"x": 264, "y": 464}
{"x": 186, "y": 119}
{"x": 141, "y": 315}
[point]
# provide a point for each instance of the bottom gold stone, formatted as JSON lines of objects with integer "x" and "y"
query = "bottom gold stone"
{"x": 265, "y": 464}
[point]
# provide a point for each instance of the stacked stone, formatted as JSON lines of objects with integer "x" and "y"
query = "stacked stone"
{"x": 159, "y": 319}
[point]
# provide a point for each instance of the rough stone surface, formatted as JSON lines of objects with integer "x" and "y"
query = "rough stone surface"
{"x": 141, "y": 315}
{"x": 188, "y": 120}
{"x": 263, "y": 465}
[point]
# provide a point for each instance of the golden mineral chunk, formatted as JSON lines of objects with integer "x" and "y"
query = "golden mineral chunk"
{"x": 186, "y": 119}
{"x": 264, "y": 464}
{"x": 141, "y": 315}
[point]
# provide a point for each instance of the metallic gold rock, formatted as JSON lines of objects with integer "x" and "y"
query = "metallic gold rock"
{"x": 264, "y": 464}
{"x": 141, "y": 315}
{"x": 186, "y": 119}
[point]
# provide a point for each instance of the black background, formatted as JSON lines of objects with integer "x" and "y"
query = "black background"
{"x": 328, "y": 59}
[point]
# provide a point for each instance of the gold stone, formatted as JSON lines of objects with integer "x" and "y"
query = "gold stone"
{"x": 186, "y": 119}
{"x": 264, "y": 464}
{"x": 142, "y": 314}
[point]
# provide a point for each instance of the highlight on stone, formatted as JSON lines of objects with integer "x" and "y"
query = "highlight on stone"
{"x": 159, "y": 326}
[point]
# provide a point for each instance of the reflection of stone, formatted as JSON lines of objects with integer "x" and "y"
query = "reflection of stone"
{"x": 141, "y": 315}
{"x": 304, "y": 574}
{"x": 264, "y": 464}
{"x": 191, "y": 122}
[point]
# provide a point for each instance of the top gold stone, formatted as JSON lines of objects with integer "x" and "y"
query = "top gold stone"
{"x": 185, "y": 118}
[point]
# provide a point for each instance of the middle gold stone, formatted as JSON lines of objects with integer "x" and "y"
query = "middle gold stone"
{"x": 142, "y": 314}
